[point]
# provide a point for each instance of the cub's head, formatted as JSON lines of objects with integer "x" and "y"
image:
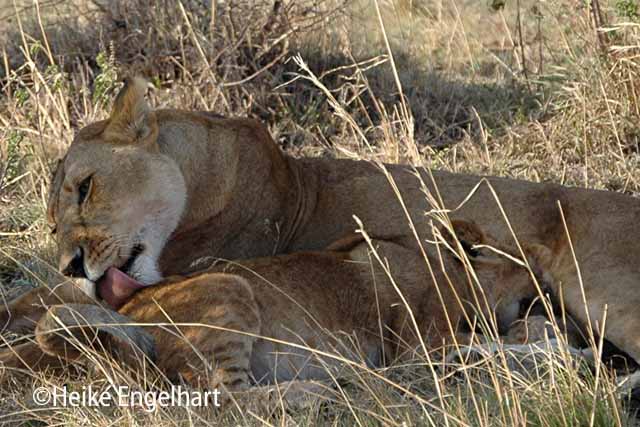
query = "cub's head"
{"x": 503, "y": 276}
{"x": 115, "y": 199}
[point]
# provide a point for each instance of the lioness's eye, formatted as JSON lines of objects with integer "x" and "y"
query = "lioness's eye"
{"x": 83, "y": 189}
{"x": 53, "y": 229}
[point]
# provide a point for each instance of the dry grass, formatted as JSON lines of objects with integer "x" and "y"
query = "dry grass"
{"x": 530, "y": 91}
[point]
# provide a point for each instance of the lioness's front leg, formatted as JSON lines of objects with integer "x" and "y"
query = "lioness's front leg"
{"x": 27, "y": 356}
{"x": 65, "y": 332}
{"x": 65, "y": 329}
{"x": 23, "y": 313}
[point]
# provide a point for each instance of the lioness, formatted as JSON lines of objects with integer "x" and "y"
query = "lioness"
{"x": 148, "y": 194}
{"x": 272, "y": 319}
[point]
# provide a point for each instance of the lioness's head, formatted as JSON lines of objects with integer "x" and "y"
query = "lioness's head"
{"x": 503, "y": 276}
{"x": 115, "y": 199}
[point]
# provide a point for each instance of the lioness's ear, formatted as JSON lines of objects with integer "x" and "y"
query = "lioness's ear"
{"x": 131, "y": 119}
{"x": 54, "y": 192}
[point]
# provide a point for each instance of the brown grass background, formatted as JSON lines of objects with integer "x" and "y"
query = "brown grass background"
{"x": 538, "y": 90}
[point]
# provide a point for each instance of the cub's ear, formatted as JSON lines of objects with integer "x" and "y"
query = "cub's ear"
{"x": 469, "y": 235}
{"x": 131, "y": 120}
{"x": 539, "y": 256}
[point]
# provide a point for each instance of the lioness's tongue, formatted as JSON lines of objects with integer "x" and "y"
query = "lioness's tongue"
{"x": 116, "y": 287}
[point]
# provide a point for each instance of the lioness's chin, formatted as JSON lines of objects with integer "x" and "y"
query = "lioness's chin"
{"x": 145, "y": 270}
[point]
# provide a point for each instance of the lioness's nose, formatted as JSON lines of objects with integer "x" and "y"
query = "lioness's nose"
{"x": 75, "y": 268}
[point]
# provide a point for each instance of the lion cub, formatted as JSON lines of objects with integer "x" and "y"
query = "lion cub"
{"x": 295, "y": 316}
